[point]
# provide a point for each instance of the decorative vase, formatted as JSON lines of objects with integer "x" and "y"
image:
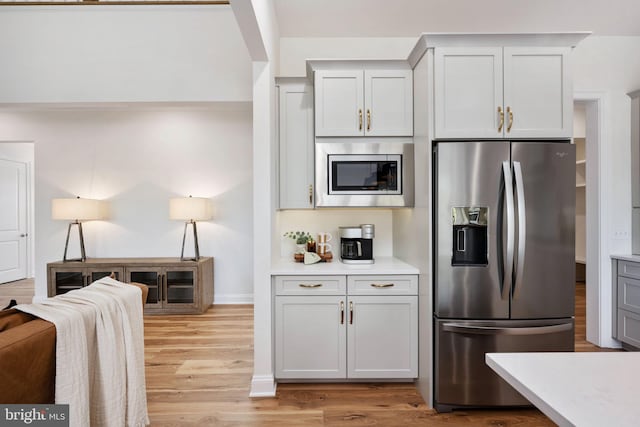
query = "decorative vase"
{"x": 311, "y": 246}
{"x": 302, "y": 248}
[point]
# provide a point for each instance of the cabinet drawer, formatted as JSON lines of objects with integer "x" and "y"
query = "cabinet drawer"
{"x": 383, "y": 285}
{"x": 629, "y": 269}
{"x": 629, "y": 328}
{"x": 310, "y": 285}
{"x": 629, "y": 294}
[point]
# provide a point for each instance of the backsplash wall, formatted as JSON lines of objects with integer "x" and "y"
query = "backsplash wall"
{"x": 329, "y": 220}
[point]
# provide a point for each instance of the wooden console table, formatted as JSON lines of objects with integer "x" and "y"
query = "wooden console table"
{"x": 174, "y": 286}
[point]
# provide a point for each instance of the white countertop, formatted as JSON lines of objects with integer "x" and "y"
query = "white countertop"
{"x": 382, "y": 265}
{"x": 576, "y": 389}
{"x": 627, "y": 257}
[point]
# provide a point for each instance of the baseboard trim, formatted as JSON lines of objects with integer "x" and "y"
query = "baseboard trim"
{"x": 263, "y": 386}
{"x": 233, "y": 299}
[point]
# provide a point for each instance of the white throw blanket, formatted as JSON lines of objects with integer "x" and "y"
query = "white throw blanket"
{"x": 99, "y": 353}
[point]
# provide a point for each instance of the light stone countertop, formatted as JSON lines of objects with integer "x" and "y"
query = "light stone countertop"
{"x": 382, "y": 265}
{"x": 576, "y": 389}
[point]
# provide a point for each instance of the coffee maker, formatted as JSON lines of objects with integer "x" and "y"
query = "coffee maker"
{"x": 356, "y": 244}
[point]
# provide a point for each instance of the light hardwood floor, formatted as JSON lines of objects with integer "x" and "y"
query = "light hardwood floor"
{"x": 21, "y": 290}
{"x": 199, "y": 367}
{"x": 199, "y": 370}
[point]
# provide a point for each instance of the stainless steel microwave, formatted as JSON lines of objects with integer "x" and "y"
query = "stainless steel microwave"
{"x": 364, "y": 174}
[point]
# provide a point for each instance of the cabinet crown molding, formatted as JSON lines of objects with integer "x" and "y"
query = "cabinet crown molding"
{"x": 355, "y": 64}
{"x": 435, "y": 40}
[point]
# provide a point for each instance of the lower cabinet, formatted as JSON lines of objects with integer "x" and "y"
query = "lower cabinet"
{"x": 322, "y": 331}
{"x": 626, "y": 303}
{"x": 175, "y": 286}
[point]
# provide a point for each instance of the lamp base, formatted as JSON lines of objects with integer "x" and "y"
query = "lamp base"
{"x": 195, "y": 242}
{"x": 83, "y": 256}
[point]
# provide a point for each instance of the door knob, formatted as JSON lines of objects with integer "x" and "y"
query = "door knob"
{"x": 23, "y": 235}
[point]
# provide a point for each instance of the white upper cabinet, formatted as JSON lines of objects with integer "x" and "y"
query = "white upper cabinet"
{"x": 468, "y": 92}
{"x": 388, "y": 102}
{"x": 364, "y": 102}
{"x": 538, "y": 95}
{"x": 339, "y": 102}
{"x": 295, "y": 132}
{"x": 503, "y": 92}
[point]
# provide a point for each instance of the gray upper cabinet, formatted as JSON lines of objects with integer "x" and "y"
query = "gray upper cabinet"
{"x": 295, "y": 129}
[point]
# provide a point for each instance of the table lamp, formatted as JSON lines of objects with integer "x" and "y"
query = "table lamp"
{"x": 77, "y": 210}
{"x": 189, "y": 209}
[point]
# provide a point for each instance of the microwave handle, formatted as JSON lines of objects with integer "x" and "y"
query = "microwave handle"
{"x": 359, "y": 245}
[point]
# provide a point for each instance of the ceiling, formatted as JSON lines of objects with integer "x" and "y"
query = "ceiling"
{"x": 409, "y": 18}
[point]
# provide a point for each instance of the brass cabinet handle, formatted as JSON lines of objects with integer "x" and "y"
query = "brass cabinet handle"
{"x": 360, "y": 119}
{"x": 510, "y": 119}
{"x": 315, "y": 285}
{"x": 501, "y": 113}
{"x": 311, "y": 194}
{"x": 368, "y": 120}
{"x": 342, "y": 312}
{"x": 351, "y": 312}
{"x": 382, "y": 285}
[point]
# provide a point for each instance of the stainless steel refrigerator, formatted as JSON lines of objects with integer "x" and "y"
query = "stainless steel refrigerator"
{"x": 504, "y": 262}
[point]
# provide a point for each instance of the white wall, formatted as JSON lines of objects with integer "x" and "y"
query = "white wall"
{"x": 259, "y": 27}
{"x": 138, "y": 159}
{"x": 122, "y": 54}
{"x": 610, "y": 67}
{"x": 294, "y": 51}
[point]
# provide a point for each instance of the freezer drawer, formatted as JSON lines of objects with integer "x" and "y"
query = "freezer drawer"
{"x": 462, "y": 378}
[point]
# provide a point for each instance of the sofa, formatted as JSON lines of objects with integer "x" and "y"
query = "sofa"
{"x": 28, "y": 356}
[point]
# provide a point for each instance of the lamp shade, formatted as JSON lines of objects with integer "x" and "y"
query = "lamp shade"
{"x": 189, "y": 208}
{"x": 78, "y": 209}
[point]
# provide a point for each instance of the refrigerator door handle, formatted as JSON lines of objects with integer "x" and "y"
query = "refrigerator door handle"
{"x": 508, "y": 264}
{"x": 522, "y": 228}
{"x": 495, "y": 330}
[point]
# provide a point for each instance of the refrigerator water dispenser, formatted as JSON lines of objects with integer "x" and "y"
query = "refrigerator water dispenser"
{"x": 470, "y": 243}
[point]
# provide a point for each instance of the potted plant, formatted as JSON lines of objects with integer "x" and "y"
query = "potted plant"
{"x": 303, "y": 240}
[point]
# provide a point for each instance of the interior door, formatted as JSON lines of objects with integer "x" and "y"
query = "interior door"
{"x": 469, "y": 175}
{"x": 13, "y": 220}
{"x": 544, "y": 270}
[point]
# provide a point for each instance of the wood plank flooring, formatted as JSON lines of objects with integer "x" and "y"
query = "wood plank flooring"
{"x": 198, "y": 371}
{"x": 21, "y": 290}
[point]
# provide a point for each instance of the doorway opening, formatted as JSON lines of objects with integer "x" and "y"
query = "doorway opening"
{"x": 16, "y": 216}
{"x": 597, "y": 263}
{"x": 579, "y": 139}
